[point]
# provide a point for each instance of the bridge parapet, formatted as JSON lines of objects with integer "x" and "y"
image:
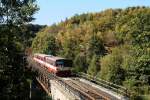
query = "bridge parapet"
{"x": 108, "y": 85}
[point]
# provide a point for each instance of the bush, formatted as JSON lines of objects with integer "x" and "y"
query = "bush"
{"x": 111, "y": 69}
{"x": 93, "y": 67}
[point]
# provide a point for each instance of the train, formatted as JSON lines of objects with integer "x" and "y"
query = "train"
{"x": 56, "y": 65}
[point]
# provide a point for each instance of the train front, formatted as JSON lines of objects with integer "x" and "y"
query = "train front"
{"x": 63, "y": 67}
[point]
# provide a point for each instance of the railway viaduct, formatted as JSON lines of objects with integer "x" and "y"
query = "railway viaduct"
{"x": 81, "y": 87}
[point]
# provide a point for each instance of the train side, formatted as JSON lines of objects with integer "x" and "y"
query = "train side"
{"x": 56, "y": 65}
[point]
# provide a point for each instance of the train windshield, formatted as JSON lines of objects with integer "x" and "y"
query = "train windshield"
{"x": 64, "y": 63}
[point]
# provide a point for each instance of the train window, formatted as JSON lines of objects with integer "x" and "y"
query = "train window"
{"x": 59, "y": 63}
{"x": 64, "y": 63}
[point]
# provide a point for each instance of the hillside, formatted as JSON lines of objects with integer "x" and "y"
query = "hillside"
{"x": 113, "y": 45}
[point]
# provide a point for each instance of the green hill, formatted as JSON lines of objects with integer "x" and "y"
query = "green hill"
{"x": 113, "y": 45}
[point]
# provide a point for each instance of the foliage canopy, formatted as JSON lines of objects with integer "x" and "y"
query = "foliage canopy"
{"x": 118, "y": 41}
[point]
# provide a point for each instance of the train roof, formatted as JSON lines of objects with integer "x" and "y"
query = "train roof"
{"x": 41, "y": 55}
{"x": 54, "y": 58}
{"x": 50, "y": 57}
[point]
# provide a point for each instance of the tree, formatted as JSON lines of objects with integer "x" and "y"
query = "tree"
{"x": 80, "y": 63}
{"x": 45, "y": 43}
{"x": 95, "y": 46}
{"x": 13, "y": 15}
{"x": 111, "y": 69}
{"x": 94, "y": 66}
{"x": 17, "y": 11}
{"x": 133, "y": 28}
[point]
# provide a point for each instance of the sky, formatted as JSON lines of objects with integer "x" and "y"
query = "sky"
{"x": 55, "y": 11}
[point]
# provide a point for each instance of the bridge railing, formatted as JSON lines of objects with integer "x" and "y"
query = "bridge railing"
{"x": 108, "y": 85}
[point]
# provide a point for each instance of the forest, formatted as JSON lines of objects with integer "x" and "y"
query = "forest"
{"x": 16, "y": 34}
{"x": 113, "y": 45}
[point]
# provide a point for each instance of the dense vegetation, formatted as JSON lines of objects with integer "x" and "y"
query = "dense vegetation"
{"x": 113, "y": 45}
{"x": 15, "y": 35}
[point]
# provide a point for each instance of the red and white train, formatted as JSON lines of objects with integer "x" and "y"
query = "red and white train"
{"x": 56, "y": 65}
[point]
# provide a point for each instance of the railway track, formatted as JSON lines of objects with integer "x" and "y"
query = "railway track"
{"x": 97, "y": 91}
{"x": 89, "y": 92}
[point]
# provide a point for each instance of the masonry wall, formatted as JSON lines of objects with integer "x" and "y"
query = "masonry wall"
{"x": 59, "y": 93}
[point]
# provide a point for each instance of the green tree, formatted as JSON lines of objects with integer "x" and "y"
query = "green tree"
{"x": 94, "y": 66}
{"x": 69, "y": 45}
{"x": 111, "y": 69}
{"x": 95, "y": 46}
{"x": 136, "y": 65}
{"x": 13, "y": 15}
{"x": 45, "y": 43}
{"x": 134, "y": 28}
{"x": 80, "y": 63}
